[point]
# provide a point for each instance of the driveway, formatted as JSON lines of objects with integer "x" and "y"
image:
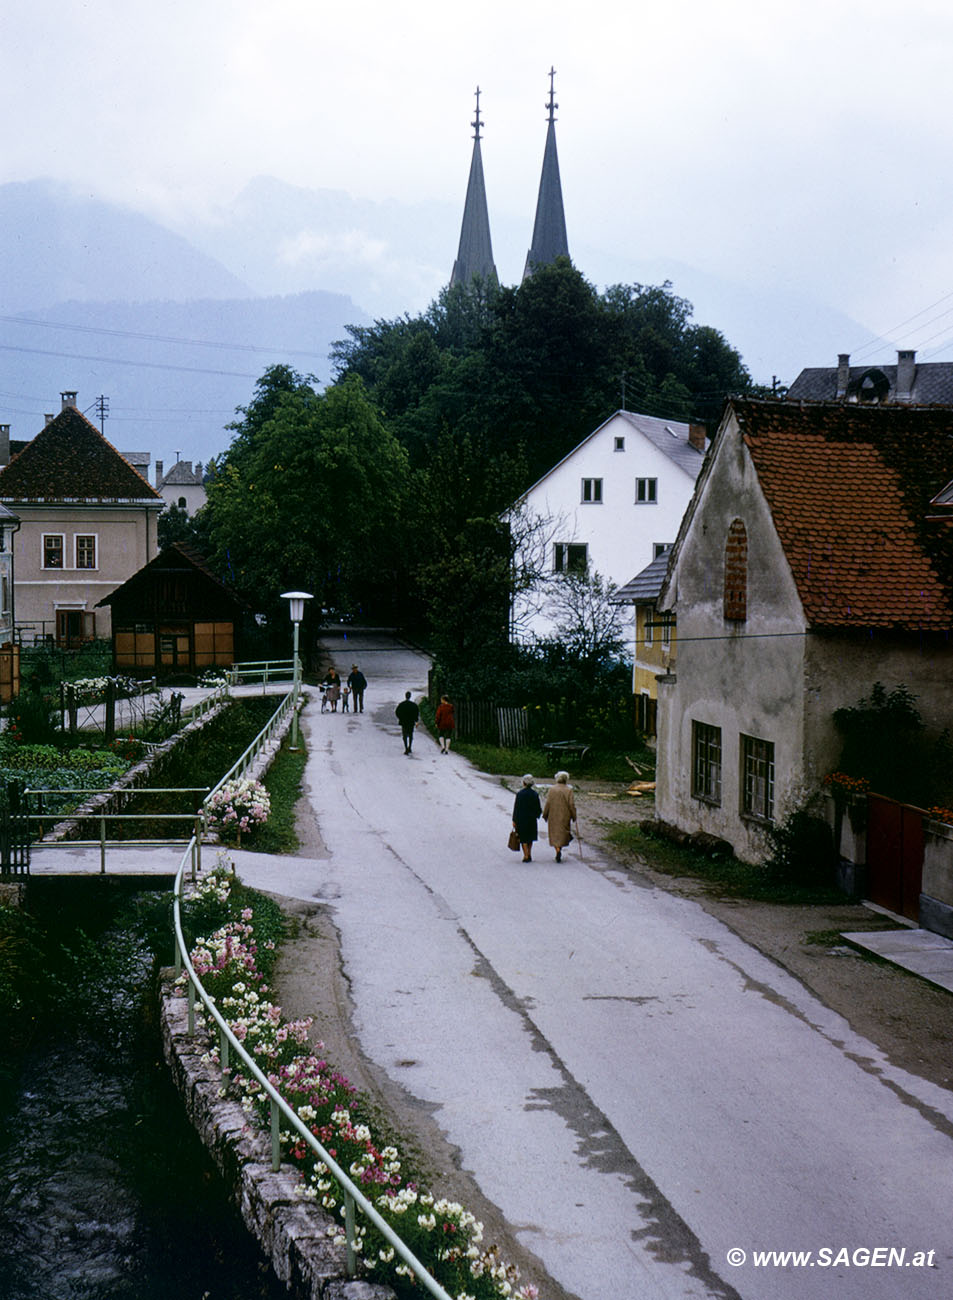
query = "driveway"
{"x": 646, "y": 1099}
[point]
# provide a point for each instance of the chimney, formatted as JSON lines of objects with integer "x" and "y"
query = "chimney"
{"x": 4, "y": 444}
{"x": 906, "y": 371}
{"x": 198, "y": 471}
{"x": 697, "y": 435}
{"x": 158, "y": 473}
{"x": 49, "y": 417}
{"x": 68, "y": 400}
{"x": 843, "y": 374}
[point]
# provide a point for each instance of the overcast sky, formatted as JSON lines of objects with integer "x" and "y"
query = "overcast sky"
{"x": 799, "y": 147}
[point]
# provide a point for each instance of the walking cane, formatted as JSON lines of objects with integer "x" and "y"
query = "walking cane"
{"x": 578, "y": 841}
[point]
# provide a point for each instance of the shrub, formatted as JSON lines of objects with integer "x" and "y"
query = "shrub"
{"x": 238, "y": 807}
{"x": 802, "y": 851}
{"x": 33, "y": 719}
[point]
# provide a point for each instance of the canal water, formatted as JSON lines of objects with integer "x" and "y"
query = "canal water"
{"x": 106, "y": 1193}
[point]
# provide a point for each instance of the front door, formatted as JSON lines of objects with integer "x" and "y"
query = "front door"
{"x": 894, "y": 855}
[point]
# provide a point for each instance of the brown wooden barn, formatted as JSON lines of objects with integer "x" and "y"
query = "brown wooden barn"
{"x": 173, "y": 616}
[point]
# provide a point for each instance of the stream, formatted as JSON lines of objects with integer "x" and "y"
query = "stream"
{"x": 106, "y": 1193}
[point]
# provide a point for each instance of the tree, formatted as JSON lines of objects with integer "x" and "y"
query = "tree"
{"x": 310, "y": 494}
{"x": 586, "y": 621}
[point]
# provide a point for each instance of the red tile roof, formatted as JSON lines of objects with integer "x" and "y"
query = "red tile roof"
{"x": 70, "y": 460}
{"x": 849, "y": 488}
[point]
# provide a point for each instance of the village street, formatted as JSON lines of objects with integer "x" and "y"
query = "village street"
{"x": 648, "y": 1100}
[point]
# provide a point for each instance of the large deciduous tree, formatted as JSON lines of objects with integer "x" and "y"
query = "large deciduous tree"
{"x": 310, "y": 494}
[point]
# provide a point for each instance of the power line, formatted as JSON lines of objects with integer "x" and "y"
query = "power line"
{"x": 122, "y": 361}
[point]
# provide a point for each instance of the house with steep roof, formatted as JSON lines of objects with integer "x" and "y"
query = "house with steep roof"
{"x": 181, "y": 486}
{"x": 87, "y": 521}
{"x": 924, "y": 384}
{"x": 173, "y": 616}
{"x": 610, "y": 507}
{"x": 815, "y": 560}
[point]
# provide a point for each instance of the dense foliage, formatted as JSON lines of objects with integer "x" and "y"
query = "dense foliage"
{"x": 886, "y": 745}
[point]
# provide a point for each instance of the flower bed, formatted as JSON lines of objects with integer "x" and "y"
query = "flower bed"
{"x": 238, "y": 807}
{"x": 442, "y": 1234}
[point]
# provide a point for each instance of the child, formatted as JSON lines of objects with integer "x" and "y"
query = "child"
{"x": 345, "y": 693}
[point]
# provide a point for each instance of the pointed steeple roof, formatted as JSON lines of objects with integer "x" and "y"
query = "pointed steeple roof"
{"x": 549, "y": 229}
{"x": 475, "y": 254}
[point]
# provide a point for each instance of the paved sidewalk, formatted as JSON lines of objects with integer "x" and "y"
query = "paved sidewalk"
{"x": 921, "y": 952}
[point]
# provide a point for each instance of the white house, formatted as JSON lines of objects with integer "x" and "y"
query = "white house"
{"x": 609, "y": 507}
{"x": 181, "y": 486}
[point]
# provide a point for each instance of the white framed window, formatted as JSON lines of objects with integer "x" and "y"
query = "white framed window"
{"x": 54, "y": 545}
{"x": 648, "y": 625}
{"x": 757, "y": 778}
{"x": 592, "y": 491}
{"x": 85, "y": 544}
{"x": 619, "y": 444}
{"x": 646, "y": 491}
{"x": 667, "y": 621}
{"x": 570, "y": 557}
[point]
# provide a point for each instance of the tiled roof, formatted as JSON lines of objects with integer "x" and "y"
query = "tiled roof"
{"x": 176, "y": 557}
{"x": 181, "y": 474}
{"x": 932, "y": 383}
{"x": 849, "y": 488}
{"x": 646, "y": 584}
{"x": 70, "y": 460}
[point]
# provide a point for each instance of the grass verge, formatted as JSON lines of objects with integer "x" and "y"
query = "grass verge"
{"x": 283, "y": 783}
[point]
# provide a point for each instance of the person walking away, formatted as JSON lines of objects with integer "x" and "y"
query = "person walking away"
{"x": 407, "y": 715}
{"x": 446, "y": 724}
{"x": 558, "y": 811}
{"x": 358, "y": 685}
{"x": 526, "y": 811}
{"x": 333, "y": 684}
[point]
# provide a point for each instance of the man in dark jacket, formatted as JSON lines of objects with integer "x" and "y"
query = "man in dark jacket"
{"x": 357, "y": 684}
{"x": 407, "y": 715}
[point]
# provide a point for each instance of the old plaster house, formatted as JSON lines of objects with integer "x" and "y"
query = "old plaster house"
{"x": 815, "y": 559}
{"x": 87, "y": 522}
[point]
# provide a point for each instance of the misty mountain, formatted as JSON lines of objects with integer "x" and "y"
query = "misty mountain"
{"x": 58, "y": 245}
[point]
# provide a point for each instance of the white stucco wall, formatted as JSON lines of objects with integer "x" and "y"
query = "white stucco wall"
{"x": 620, "y": 534}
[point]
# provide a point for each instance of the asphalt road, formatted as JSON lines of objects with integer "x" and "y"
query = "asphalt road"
{"x": 647, "y": 1099}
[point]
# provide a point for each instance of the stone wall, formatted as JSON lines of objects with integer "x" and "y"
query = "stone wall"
{"x": 293, "y": 1233}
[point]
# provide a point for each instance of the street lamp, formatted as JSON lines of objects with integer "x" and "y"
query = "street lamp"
{"x": 296, "y": 601}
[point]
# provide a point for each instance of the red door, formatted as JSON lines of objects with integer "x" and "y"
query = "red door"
{"x": 894, "y": 855}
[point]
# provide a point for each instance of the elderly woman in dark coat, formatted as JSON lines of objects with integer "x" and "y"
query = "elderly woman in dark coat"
{"x": 526, "y": 811}
{"x": 559, "y": 811}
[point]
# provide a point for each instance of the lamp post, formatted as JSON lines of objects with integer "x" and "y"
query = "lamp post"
{"x": 296, "y": 601}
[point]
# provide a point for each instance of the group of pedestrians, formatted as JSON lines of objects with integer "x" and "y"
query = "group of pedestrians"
{"x": 558, "y": 812}
{"x": 348, "y": 693}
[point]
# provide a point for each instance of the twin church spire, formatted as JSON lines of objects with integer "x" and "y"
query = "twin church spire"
{"x": 475, "y": 253}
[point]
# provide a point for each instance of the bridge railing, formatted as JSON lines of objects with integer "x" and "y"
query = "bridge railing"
{"x": 261, "y": 670}
{"x": 229, "y": 1046}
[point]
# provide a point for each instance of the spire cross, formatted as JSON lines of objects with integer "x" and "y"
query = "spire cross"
{"x": 477, "y": 123}
{"x": 552, "y": 104}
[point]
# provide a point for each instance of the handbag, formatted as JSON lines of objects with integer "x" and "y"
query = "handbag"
{"x": 514, "y": 841}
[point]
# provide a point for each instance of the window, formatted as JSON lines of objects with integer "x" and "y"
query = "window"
{"x": 646, "y": 491}
{"x": 659, "y": 548}
{"x": 52, "y": 550}
{"x": 570, "y": 557}
{"x": 706, "y": 762}
{"x": 667, "y": 621}
{"x": 735, "y": 606}
{"x": 85, "y": 552}
{"x": 648, "y": 625}
{"x": 757, "y": 776}
{"x": 620, "y": 444}
{"x": 592, "y": 491}
{"x": 182, "y": 503}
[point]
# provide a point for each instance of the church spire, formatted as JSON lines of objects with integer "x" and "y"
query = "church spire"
{"x": 475, "y": 254}
{"x": 549, "y": 230}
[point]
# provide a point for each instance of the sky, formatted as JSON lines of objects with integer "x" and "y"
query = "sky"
{"x": 791, "y": 149}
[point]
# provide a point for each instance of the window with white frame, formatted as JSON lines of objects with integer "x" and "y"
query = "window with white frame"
{"x": 706, "y": 762}
{"x": 620, "y": 444}
{"x": 85, "y": 551}
{"x": 53, "y": 550}
{"x": 667, "y": 622}
{"x": 648, "y": 625}
{"x": 592, "y": 491}
{"x": 570, "y": 557}
{"x": 646, "y": 491}
{"x": 757, "y": 778}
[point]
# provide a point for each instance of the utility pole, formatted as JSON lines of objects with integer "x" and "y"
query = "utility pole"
{"x": 102, "y": 408}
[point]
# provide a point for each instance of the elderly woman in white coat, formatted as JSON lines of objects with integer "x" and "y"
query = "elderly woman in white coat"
{"x": 559, "y": 811}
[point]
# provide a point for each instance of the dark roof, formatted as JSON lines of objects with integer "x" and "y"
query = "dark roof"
{"x": 850, "y": 490}
{"x": 70, "y": 460}
{"x": 475, "y": 253}
{"x": 549, "y": 228}
{"x": 645, "y": 586}
{"x": 932, "y": 384}
{"x": 179, "y": 557}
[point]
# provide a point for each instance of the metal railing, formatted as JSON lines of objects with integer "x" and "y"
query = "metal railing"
{"x": 354, "y": 1198}
{"x": 79, "y": 814}
{"x": 263, "y": 670}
